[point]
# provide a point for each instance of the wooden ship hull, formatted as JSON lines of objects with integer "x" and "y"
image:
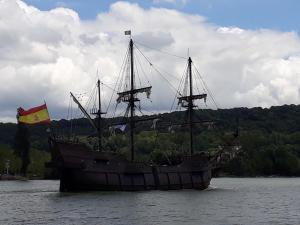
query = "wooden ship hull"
{"x": 81, "y": 169}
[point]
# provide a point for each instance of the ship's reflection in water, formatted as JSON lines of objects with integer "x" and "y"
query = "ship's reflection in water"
{"x": 227, "y": 201}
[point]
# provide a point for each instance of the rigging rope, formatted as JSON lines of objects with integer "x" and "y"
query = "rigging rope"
{"x": 114, "y": 89}
{"x": 167, "y": 53}
{"x": 158, "y": 72}
{"x": 202, "y": 80}
{"x": 179, "y": 87}
{"x": 206, "y": 87}
{"x": 137, "y": 72}
{"x": 140, "y": 64}
{"x": 198, "y": 82}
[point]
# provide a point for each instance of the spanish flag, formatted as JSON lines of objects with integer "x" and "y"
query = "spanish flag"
{"x": 34, "y": 115}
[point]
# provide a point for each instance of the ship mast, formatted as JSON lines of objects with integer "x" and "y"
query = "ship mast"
{"x": 191, "y": 106}
{"x": 130, "y": 97}
{"x": 131, "y": 100}
{"x": 188, "y": 102}
{"x": 96, "y": 112}
{"x": 99, "y": 117}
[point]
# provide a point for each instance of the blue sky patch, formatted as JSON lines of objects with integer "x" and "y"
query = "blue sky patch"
{"x": 247, "y": 14}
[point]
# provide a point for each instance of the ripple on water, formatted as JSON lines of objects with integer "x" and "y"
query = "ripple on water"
{"x": 227, "y": 201}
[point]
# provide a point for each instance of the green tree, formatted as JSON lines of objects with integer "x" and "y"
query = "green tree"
{"x": 22, "y": 146}
{"x": 7, "y": 153}
{"x": 38, "y": 160}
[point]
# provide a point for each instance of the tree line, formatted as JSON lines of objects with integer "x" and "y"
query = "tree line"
{"x": 270, "y": 139}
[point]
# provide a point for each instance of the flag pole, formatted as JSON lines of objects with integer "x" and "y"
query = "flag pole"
{"x": 49, "y": 127}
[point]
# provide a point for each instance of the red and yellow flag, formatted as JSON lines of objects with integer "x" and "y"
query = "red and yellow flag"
{"x": 34, "y": 115}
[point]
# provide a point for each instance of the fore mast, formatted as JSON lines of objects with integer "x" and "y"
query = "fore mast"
{"x": 98, "y": 112}
{"x": 99, "y": 118}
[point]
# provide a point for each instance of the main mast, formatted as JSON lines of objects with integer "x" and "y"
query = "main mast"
{"x": 130, "y": 97}
{"x": 131, "y": 100}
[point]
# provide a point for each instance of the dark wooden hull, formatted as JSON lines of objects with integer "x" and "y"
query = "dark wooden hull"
{"x": 83, "y": 170}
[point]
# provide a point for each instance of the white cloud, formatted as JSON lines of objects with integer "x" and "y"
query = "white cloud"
{"x": 45, "y": 54}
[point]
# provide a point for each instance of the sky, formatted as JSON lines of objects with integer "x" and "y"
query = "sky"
{"x": 248, "y": 52}
{"x": 247, "y": 14}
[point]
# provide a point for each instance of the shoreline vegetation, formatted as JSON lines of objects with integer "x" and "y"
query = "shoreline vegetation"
{"x": 270, "y": 139}
{"x": 21, "y": 178}
{"x": 5, "y": 177}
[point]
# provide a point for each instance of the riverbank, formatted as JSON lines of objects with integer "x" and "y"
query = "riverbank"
{"x": 11, "y": 177}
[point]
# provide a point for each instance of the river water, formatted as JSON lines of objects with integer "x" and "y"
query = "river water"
{"x": 227, "y": 201}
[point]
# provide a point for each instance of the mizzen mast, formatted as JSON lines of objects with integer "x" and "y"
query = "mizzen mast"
{"x": 188, "y": 102}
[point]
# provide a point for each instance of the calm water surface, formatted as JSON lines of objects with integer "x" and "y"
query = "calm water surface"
{"x": 227, "y": 201}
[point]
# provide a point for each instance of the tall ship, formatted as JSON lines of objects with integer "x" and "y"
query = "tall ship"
{"x": 81, "y": 168}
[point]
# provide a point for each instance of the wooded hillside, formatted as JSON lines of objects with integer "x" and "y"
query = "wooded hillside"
{"x": 270, "y": 138}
